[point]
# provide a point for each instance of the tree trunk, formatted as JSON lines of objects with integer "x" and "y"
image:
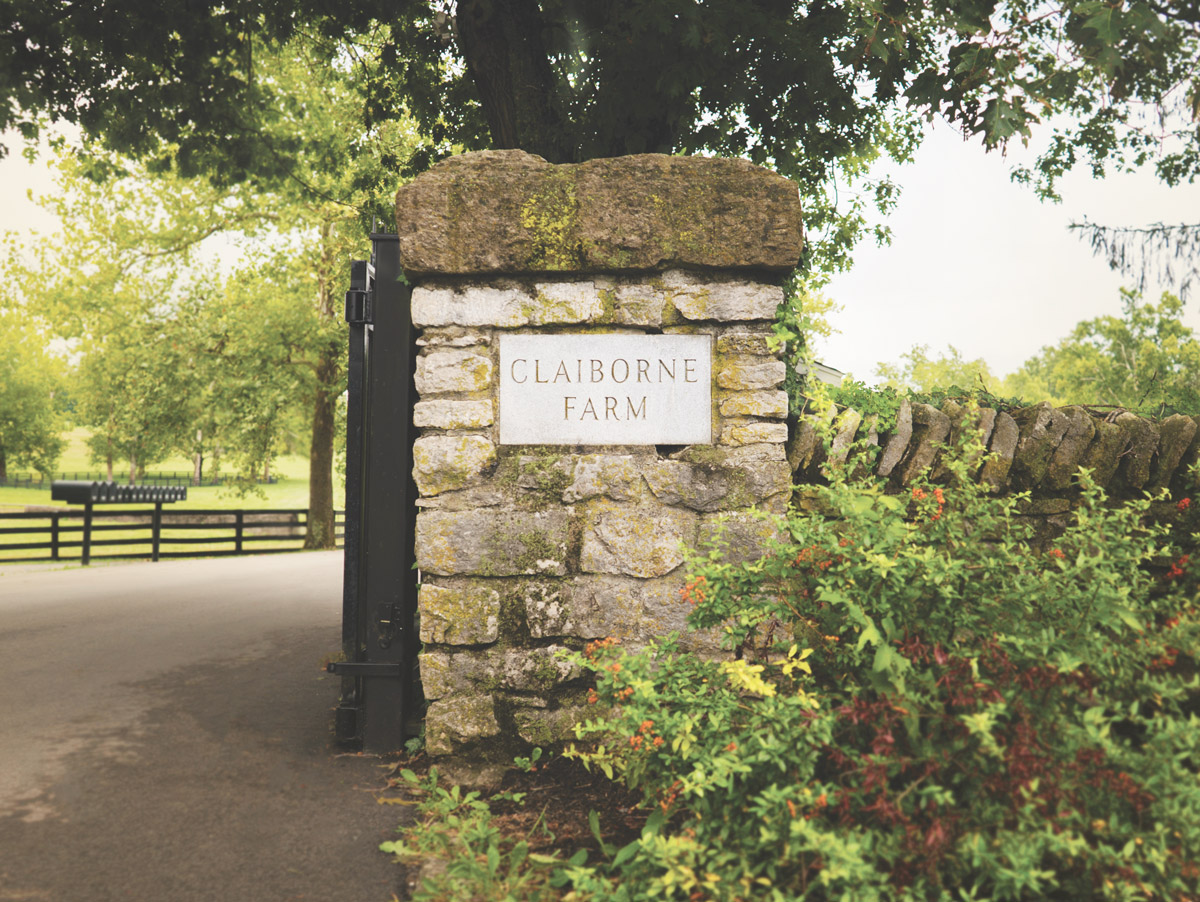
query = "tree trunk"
{"x": 198, "y": 460}
{"x": 502, "y": 44}
{"x": 3, "y": 465}
{"x": 320, "y": 532}
{"x": 266, "y": 477}
{"x": 133, "y": 469}
{"x": 108, "y": 463}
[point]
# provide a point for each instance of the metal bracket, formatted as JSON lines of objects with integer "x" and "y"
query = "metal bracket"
{"x": 361, "y": 296}
{"x": 364, "y": 668}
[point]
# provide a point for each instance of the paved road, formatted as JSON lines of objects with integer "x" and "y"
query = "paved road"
{"x": 165, "y": 737}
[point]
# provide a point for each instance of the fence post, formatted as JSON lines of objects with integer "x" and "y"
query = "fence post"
{"x": 87, "y": 534}
{"x": 156, "y": 529}
{"x": 54, "y": 536}
{"x": 239, "y": 532}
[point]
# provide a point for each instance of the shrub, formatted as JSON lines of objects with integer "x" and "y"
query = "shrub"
{"x": 918, "y": 706}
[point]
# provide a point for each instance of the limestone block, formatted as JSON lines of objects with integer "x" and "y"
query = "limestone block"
{"x": 453, "y": 337}
{"x": 696, "y": 486}
{"x": 452, "y": 723}
{"x": 1134, "y": 469}
{"x": 444, "y": 674}
{"x": 740, "y": 537}
{"x": 544, "y": 727}
{"x": 723, "y": 301}
{"x": 564, "y": 303}
{"x": 492, "y": 542}
{"x": 802, "y": 448}
{"x": 750, "y": 373}
{"x": 597, "y": 606}
{"x": 897, "y": 443}
{"x": 1181, "y": 480}
{"x": 442, "y": 463}
{"x": 453, "y": 414}
{"x": 615, "y": 476}
{"x": 535, "y": 669}
{"x": 1175, "y": 437}
{"x": 469, "y": 498}
{"x": 756, "y": 404}
{"x": 1042, "y": 428}
{"x": 466, "y": 612}
{"x": 1065, "y": 461}
{"x": 743, "y": 454}
{"x": 633, "y": 304}
{"x": 452, "y": 370}
{"x": 636, "y": 541}
{"x": 931, "y": 427}
{"x": 981, "y": 423}
{"x": 845, "y": 428}
{"x": 753, "y": 433}
{"x": 1001, "y": 449}
{"x": 509, "y": 211}
{"x": 743, "y": 341}
{"x": 1104, "y": 453}
{"x": 505, "y": 306}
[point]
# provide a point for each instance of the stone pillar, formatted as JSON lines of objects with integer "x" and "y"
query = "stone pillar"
{"x": 524, "y": 549}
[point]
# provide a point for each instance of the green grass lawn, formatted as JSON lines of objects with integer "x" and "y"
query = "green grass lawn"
{"x": 289, "y": 491}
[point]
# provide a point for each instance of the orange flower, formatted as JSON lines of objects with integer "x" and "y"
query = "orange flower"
{"x": 918, "y": 494}
{"x": 1184, "y": 504}
{"x": 658, "y": 740}
{"x": 1057, "y": 553}
{"x": 646, "y": 727}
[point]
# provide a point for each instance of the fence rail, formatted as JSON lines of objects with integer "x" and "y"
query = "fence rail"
{"x": 184, "y": 478}
{"x": 154, "y": 532}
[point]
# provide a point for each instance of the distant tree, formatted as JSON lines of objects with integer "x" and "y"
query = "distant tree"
{"x": 1147, "y": 359}
{"x": 30, "y": 377}
{"x": 919, "y": 371}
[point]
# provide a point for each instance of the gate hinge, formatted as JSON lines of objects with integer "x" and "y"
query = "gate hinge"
{"x": 364, "y": 668}
{"x": 360, "y": 297}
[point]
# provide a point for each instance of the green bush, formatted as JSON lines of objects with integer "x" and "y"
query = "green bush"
{"x": 917, "y": 706}
{"x": 980, "y": 721}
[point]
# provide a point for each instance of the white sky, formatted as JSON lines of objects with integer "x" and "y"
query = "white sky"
{"x": 976, "y": 261}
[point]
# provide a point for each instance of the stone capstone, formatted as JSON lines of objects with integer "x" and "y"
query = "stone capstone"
{"x": 897, "y": 442}
{"x": 1064, "y": 463}
{"x": 1042, "y": 428}
{"x": 1103, "y": 455}
{"x": 466, "y": 612}
{"x": 506, "y": 211}
{"x": 1001, "y": 450}
{"x": 442, "y": 463}
{"x": 1175, "y": 437}
{"x": 492, "y": 542}
{"x": 452, "y": 723}
{"x": 930, "y": 429}
{"x": 1134, "y": 469}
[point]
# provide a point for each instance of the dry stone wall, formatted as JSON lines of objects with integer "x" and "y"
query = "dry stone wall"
{"x": 1037, "y": 449}
{"x": 526, "y": 550}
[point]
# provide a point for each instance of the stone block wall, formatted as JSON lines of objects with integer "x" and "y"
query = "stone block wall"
{"x": 1036, "y": 449}
{"x": 525, "y": 550}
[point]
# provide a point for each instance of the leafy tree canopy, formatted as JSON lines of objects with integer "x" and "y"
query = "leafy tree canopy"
{"x": 815, "y": 89}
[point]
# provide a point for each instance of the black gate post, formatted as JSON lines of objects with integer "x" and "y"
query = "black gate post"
{"x": 156, "y": 530}
{"x": 87, "y": 534}
{"x": 380, "y": 580}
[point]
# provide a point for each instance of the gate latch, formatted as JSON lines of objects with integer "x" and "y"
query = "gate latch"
{"x": 364, "y": 668}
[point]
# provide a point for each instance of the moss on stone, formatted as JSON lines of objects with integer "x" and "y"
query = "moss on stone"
{"x": 551, "y": 217}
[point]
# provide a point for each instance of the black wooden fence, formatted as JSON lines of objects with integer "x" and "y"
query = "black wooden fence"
{"x": 67, "y": 535}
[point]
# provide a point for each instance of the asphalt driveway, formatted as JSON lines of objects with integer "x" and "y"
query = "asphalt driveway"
{"x": 165, "y": 736}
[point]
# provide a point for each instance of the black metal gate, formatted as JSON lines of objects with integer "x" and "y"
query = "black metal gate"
{"x": 381, "y": 698}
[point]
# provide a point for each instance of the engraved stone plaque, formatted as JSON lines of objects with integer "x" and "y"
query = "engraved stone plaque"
{"x": 605, "y": 389}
